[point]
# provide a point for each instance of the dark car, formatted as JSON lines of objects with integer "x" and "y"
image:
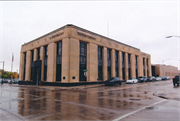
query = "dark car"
{"x": 176, "y": 80}
{"x": 151, "y": 79}
{"x": 112, "y": 81}
{"x": 163, "y": 78}
{"x": 142, "y": 79}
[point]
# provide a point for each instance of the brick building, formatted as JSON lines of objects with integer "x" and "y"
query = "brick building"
{"x": 61, "y": 56}
{"x": 164, "y": 70}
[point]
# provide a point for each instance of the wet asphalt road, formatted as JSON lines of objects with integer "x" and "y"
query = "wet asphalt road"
{"x": 83, "y": 103}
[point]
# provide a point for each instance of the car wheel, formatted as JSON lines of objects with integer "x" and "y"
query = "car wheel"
{"x": 119, "y": 83}
{"x": 177, "y": 84}
{"x": 113, "y": 83}
{"x": 174, "y": 84}
{"x": 133, "y": 82}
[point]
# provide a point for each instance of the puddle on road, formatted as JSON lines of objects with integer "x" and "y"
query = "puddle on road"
{"x": 151, "y": 108}
{"x": 76, "y": 104}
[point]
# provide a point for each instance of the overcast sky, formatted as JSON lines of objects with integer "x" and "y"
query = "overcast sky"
{"x": 141, "y": 24}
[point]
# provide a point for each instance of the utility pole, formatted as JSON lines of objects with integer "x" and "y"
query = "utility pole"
{"x": 12, "y": 66}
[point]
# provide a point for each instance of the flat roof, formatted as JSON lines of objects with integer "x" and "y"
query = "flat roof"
{"x": 76, "y": 27}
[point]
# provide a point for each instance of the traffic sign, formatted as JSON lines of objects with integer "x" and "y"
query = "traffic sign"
{"x": 85, "y": 70}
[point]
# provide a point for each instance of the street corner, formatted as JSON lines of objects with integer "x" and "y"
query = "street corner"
{"x": 173, "y": 94}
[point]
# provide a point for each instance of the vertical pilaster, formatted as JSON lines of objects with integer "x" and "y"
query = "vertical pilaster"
{"x": 120, "y": 64}
{"x": 21, "y": 66}
{"x": 113, "y": 73}
{"x": 92, "y": 62}
{"x": 126, "y": 66}
{"x": 42, "y": 51}
{"x": 149, "y": 66}
{"x": 51, "y": 67}
{"x": 133, "y": 71}
{"x": 28, "y": 66}
{"x": 35, "y": 54}
{"x": 65, "y": 60}
{"x": 145, "y": 65}
{"x": 140, "y": 66}
{"x": 73, "y": 59}
{"x": 104, "y": 63}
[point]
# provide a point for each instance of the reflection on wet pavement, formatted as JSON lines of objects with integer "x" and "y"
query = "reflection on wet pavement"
{"x": 101, "y": 103}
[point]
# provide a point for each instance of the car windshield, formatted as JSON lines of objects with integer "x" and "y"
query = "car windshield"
{"x": 131, "y": 78}
{"x": 111, "y": 78}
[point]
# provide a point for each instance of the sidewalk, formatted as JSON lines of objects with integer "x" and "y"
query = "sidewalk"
{"x": 168, "y": 109}
{"x": 62, "y": 87}
{"x": 173, "y": 95}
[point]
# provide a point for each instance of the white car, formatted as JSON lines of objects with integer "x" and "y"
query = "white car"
{"x": 158, "y": 78}
{"x": 132, "y": 81}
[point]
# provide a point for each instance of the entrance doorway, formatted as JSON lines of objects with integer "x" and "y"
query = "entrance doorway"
{"x": 37, "y": 72}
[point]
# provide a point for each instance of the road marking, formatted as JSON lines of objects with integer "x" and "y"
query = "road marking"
{"x": 128, "y": 114}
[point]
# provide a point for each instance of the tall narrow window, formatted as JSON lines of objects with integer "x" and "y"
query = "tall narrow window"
{"x": 129, "y": 66}
{"x": 136, "y": 65}
{"x": 58, "y": 61}
{"x": 45, "y": 62}
{"x": 82, "y": 60}
{"x": 144, "y": 66}
{"x": 32, "y": 63}
{"x": 24, "y": 66}
{"x": 147, "y": 68}
{"x": 123, "y": 65}
{"x": 109, "y": 62}
{"x": 100, "y": 64}
{"x": 38, "y": 53}
{"x": 116, "y": 63}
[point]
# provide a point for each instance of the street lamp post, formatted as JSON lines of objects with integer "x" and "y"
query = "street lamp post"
{"x": 163, "y": 64}
{"x": 178, "y": 50}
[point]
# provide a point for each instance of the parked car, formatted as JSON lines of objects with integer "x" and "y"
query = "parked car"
{"x": 168, "y": 78}
{"x": 158, "y": 78}
{"x": 176, "y": 80}
{"x": 4, "y": 81}
{"x": 15, "y": 81}
{"x": 142, "y": 79}
{"x": 112, "y": 81}
{"x": 163, "y": 78}
{"x": 151, "y": 79}
{"x": 132, "y": 81}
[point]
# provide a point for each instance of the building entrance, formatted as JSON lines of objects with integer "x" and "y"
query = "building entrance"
{"x": 37, "y": 72}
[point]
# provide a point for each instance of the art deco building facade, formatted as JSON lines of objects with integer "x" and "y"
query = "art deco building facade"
{"x": 61, "y": 56}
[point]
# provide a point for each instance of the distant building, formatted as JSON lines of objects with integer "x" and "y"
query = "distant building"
{"x": 164, "y": 70}
{"x": 62, "y": 56}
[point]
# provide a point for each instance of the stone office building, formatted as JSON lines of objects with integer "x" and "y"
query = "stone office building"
{"x": 164, "y": 70}
{"x": 61, "y": 56}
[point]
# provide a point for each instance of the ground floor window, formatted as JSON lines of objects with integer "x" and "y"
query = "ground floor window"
{"x": 123, "y": 73}
{"x": 45, "y": 73}
{"x": 136, "y": 73}
{"x": 100, "y": 73}
{"x": 58, "y": 72}
{"x": 109, "y": 72}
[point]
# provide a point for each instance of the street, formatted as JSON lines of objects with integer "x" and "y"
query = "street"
{"x": 143, "y": 101}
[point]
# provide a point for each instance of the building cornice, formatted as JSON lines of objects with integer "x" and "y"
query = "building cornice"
{"x": 81, "y": 29}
